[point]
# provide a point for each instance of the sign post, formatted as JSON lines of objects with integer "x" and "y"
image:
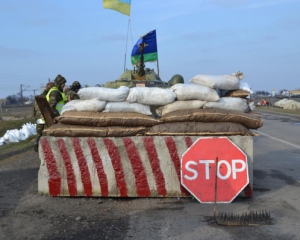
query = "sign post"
{"x": 199, "y": 168}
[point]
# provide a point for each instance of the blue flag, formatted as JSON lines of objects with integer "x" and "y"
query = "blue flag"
{"x": 150, "y": 48}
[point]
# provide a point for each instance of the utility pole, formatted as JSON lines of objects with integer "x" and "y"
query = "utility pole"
{"x": 21, "y": 94}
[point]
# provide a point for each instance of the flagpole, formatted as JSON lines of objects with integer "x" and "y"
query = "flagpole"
{"x": 126, "y": 44}
{"x": 157, "y": 67}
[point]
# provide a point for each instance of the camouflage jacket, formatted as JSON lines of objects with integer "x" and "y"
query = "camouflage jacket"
{"x": 72, "y": 95}
{"x": 55, "y": 97}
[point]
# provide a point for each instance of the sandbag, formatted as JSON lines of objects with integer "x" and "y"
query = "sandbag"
{"x": 236, "y": 93}
{"x": 250, "y": 120}
{"x": 104, "y": 119}
{"x": 93, "y": 105}
{"x": 104, "y": 94}
{"x": 225, "y": 82}
{"x": 127, "y": 107}
{"x": 245, "y": 86}
{"x": 69, "y": 107}
{"x": 62, "y": 130}
{"x": 11, "y": 136}
{"x": 281, "y": 102}
{"x": 229, "y": 103}
{"x": 194, "y": 92}
{"x": 291, "y": 104}
{"x": 180, "y": 105}
{"x": 152, "y": 96}
{"x": 199, "y": 129}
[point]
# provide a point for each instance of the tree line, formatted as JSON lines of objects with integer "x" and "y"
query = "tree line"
{"x": 16, "y": 99}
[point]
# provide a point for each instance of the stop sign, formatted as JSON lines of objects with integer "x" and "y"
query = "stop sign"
{"x": 198, "y": 170}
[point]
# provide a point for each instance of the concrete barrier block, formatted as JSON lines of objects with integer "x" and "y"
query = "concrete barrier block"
{"x": 120, "y": 167}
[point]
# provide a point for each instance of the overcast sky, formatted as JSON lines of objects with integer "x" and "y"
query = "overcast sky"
{"x": 85, "y": 42}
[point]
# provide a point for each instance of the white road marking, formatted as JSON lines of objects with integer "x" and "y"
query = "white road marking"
{"x": 291, "y": 144}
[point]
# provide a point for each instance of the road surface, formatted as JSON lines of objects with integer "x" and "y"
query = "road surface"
{"x": 24, "y": 214}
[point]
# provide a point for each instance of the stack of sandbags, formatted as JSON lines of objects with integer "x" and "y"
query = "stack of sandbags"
{"x": 287, "y": 104}
{"x": 105, "y": 112}
{"x": 186, "y": 109}
{"x": 208, "y": 91}
{"x": 101, "y": 124}
{"x": 211, "y": 105}
{"x": 232, "y": 97}
{"x": 207, "y": 122}
{"x": 122, "y": 99}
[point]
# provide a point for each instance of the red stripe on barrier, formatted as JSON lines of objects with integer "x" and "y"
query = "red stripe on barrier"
{"x": 176, "y": 161}
{"x": 188, "y": 141}
{"x": 69, "y": 168}
{"x": 155, "y": 165}
{"x": 54, "y": 181}
{"x": 248, "y": 191}
{"x": 142, "y": 187}
{"x": 84, "y": 171}
{"x": 117, "y": 165}
{"x": 99, "y": 167}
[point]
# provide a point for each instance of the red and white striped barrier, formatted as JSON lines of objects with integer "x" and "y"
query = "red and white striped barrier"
{"x": 120, "y": 167}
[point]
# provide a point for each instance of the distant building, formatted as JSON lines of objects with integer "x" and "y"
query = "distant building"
{"x": 2, "y": 101}
{"x": 294, "y": 92}
{"x": 285, "y": 93}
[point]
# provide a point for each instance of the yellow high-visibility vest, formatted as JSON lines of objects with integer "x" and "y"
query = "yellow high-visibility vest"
{"x": 61, "y": 103}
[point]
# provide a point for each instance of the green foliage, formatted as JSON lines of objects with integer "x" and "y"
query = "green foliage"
{"x": 8, "y": 150}
{"x": 278, "y": 110}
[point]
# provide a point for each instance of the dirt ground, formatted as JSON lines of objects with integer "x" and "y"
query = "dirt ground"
{"x": 24, "y": 214}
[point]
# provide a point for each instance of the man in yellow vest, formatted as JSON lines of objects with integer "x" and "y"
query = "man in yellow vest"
{"x": 56, "y": 97}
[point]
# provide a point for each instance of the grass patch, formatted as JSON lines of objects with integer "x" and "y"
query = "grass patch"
{"x": 10, "y": 149}
{"x": 278, "y": 110}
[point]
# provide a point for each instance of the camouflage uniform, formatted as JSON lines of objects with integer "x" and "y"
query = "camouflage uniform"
{"x": 56, "y": 95}
{"x": 72, "y": 93}
{"x": 38, "y": 115}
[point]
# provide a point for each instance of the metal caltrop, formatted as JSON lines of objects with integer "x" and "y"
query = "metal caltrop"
{"x": 122, "y": 6}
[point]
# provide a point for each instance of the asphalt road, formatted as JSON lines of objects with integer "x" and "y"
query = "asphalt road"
{"x": 24, "y": 214}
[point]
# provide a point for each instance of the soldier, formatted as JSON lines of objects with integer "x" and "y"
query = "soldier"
{"x": 38, "y": 116}
{"x": 56, "y": 97}
{"x": 72, "y": 93}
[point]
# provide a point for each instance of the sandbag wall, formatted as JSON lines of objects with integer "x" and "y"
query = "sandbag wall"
{"x": 208, "y": 106}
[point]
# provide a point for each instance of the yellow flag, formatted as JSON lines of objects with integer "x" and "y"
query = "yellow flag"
{"x": 122, "y": 6}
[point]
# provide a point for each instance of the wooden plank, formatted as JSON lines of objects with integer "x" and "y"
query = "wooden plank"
{"x": 45, "y": 110}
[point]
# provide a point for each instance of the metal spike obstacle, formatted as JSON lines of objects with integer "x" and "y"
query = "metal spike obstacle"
{"x": 253, "y": 218}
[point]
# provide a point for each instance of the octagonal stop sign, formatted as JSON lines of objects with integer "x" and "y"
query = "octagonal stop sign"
{"x": 199, "y": 175}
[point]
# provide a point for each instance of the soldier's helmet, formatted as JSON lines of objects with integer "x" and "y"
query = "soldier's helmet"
{"x": 76, "y": 85}
{"x": 176, "y": 79}
{"x": 59, "y": 80}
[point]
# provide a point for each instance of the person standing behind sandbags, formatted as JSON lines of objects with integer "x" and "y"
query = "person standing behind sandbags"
{"x": 72, "y": 93}
{"x": 39, "y": 117}
{"x": 56, "y": 97}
